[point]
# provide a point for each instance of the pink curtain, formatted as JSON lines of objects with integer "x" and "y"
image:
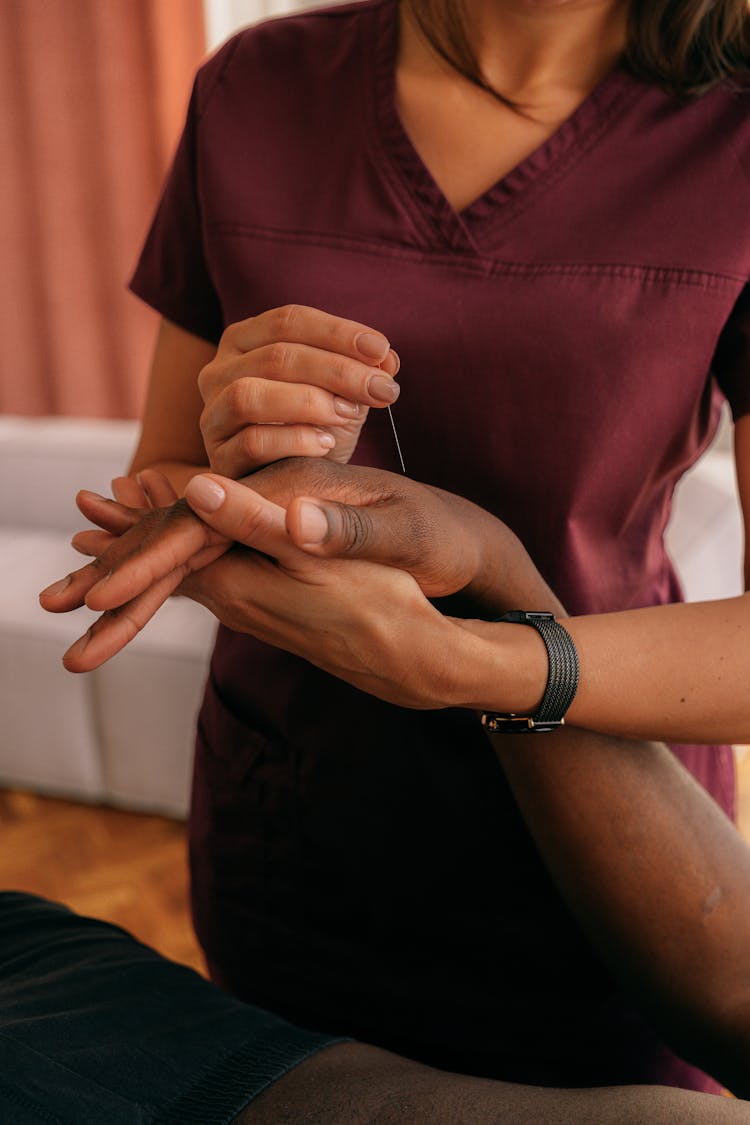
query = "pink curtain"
{"x": 92, "y": 95}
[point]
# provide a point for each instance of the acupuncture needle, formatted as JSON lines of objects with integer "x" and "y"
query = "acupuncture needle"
{"x": 398, "y": 443}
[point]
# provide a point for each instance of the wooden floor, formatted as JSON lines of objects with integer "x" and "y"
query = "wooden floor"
{"x": 120, "y": 866}
{"x": 126, "y": 867}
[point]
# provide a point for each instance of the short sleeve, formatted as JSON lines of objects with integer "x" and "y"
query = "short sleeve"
{"x": 731, "y": 366}
{"x": 172, "y": 274}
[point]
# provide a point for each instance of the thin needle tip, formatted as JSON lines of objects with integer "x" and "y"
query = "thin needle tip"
{"x": 398, "y": 443}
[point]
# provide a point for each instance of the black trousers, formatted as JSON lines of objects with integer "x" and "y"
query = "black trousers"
{"x": 96, "y": 1028}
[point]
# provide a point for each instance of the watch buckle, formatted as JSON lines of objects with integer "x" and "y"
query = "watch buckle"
{"x": 517, "y": 724}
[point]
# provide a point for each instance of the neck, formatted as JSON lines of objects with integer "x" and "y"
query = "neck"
{"x": 534, "y": 51}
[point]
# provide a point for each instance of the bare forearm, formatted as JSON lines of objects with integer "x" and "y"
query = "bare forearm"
{"x": 657, "y": 877}
{"x": 677, "y": 673}
{"x": 673, "y": 673}
{"x": 354, "y": 1084}
{"x": 652, "y": 869}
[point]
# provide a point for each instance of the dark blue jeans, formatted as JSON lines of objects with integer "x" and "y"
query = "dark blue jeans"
{"x": 97, "y": 1029}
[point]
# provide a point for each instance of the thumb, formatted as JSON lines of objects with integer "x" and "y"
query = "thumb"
{"x": 332, "y": 530}
{"x": 240, "y": 513}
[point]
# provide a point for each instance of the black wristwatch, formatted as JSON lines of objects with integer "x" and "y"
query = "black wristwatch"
{"x": 562, "y": 678}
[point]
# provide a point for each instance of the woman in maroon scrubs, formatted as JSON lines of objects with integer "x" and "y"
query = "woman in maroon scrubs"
{"x": 565, "y": 281}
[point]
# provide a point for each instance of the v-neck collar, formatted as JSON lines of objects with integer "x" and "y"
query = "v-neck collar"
{"x": 429, "y": 208}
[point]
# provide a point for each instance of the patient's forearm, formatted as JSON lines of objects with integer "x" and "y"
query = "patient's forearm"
{"x": 353, "y": 1084}
{"x": 656, "y": 875}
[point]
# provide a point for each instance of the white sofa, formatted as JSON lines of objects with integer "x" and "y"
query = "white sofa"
{"x": 705, "y": 534}
{"x": 123, "y": 734}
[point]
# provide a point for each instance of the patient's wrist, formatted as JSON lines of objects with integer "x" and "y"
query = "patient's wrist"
{"x": 506, "y": 577}
{"x": 501, "y": 667}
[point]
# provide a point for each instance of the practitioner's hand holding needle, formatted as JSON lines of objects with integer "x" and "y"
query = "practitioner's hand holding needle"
{"x": 293, "y": 381}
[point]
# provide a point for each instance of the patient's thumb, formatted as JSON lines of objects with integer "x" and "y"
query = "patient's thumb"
{"x": 330, "y": 529}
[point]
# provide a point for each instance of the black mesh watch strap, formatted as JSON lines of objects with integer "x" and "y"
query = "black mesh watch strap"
{"x": 562, "y": 678}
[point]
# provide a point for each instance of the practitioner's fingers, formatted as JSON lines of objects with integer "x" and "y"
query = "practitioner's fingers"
{"x": 292, "y": 381}
{"x": 300, "y": 325}
{"x": 239, "y": 513}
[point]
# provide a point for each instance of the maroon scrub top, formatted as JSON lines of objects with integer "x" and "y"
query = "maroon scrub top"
{"x": 363, "y": 868}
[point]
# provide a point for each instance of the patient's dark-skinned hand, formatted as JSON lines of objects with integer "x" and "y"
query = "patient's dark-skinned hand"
{"x": 150, "y": 549}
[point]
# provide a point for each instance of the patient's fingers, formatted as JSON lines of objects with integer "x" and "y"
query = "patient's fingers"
{"x": 70, "y": 592}
{"x": 92, "y": 543}
{"x": 116, "y": 519}
{"x": 116, "y": 628}
{"x": 127, "y": 491}
{"x": 158, "y": 490}
{"x": 347, "y": 531}
{"x": 109, "y": 514}
{"x": 163, "y": 541}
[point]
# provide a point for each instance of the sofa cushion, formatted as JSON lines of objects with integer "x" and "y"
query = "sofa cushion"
{"x": 49, "y": 738}
{"x": 45, "y": 461}
{"x": 122, "y": 733}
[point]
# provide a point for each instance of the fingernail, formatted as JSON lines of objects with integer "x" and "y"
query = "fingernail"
{"x": 313, "y": 524}
{"x": 57, "y": 587}
{"x": 345, "y": 408}
{"x": 205, "y": 493}
{"x": 371, "y": 346}
{"x": 383, "y": 389}
{"x": 391, "y": 363}
{"x": 326, "y": 440}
